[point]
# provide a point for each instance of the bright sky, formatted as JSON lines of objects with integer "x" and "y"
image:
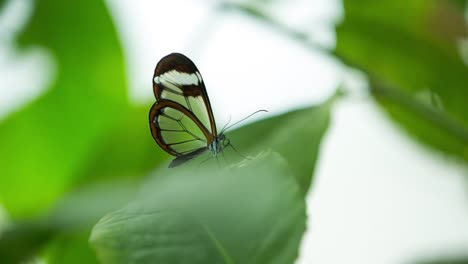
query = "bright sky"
{"x": 378, "y": 197}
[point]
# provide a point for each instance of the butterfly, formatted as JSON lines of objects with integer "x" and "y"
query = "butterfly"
{"x": 181, "y": 120}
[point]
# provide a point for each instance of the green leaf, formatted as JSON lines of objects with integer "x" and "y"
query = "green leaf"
{"x": 44, "y": 145}
{"x": 252, "y": 212}
{"x": 410, "y": 52}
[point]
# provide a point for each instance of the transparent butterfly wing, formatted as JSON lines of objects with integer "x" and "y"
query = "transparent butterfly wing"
{"x": 177, "y": 130}
{"x": 176, "y": 78}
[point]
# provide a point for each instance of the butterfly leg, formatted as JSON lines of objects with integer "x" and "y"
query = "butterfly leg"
{"x": 247, "y": 158}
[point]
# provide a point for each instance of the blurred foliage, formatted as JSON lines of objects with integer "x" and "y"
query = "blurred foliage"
{"x": 21, "y": 242}
{"x": 83, "y": 129}
{"x": 80, "y": 130}
{"x": 70, "y": 134}
{"x": 46, "y": 144}
{"x": 65, "y": 227}
{"x": 127, "y": 150}
{"x": 410, "y": 51}
{"x": 71, "y": 249}
{"x": 451, "y": 260}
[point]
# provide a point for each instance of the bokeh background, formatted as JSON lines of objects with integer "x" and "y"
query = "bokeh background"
{"x": 390, "y": 183}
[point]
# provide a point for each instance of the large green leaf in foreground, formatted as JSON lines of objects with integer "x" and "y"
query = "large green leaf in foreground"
{"x": 410, "y": 50}
{"x": 250, "y": 212}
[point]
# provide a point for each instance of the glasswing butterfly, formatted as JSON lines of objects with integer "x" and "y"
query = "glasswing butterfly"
{"x": 181, "y": 120}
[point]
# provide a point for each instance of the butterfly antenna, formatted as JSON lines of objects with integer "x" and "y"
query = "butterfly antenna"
{"x": 224, "y": 127}
{"x": 256, "y": 112}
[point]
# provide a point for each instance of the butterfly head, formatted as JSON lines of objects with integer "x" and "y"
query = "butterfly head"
{"x": 219, "y": 143}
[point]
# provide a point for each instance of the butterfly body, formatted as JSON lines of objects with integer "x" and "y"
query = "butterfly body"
{"x": 218, "y": 144}
{"x": 181, "y": 121}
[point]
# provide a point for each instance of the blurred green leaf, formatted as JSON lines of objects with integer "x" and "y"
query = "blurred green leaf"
{"x": 429, "y": 124}
{"x": 2, "y": 4}
{"x": 21, "y": 242}
{"x": 44, "y": 145}
{"x": 127, "y": 150}
{"x": 252, "y": 212}
{"x": 67, "y": 225}
{"x": 71, "y": 249}
{"x": 410, "y": 51}
{"x": 446, "y": 260}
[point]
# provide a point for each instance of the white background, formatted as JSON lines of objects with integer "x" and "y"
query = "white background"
{"x": 378, "y": 197}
